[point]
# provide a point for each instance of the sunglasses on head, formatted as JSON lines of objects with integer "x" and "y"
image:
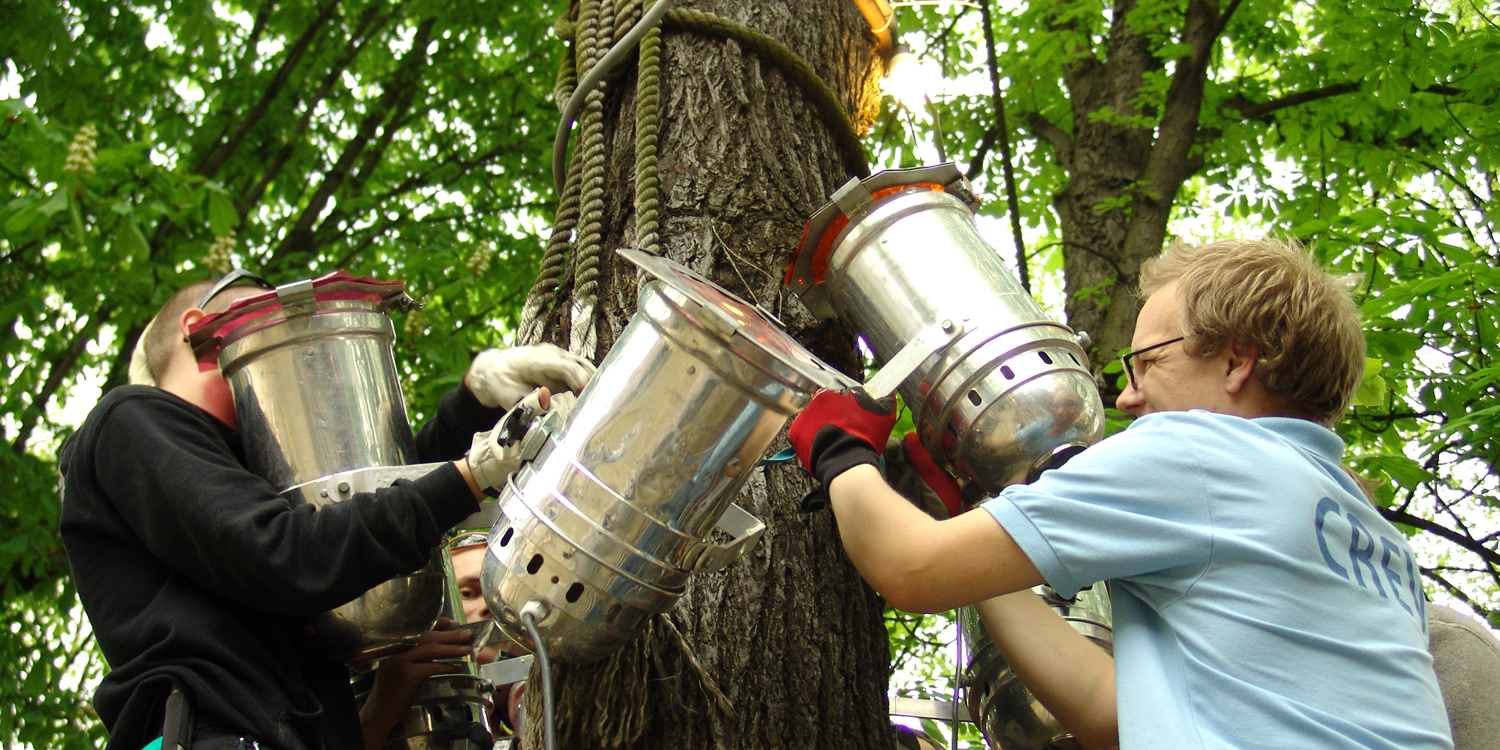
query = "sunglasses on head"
{"x": 236, "y": 276}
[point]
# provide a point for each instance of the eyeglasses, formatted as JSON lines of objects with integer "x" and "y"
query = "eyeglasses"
{"x": 230, "y": 279}
{"x": 1128, "y": 356}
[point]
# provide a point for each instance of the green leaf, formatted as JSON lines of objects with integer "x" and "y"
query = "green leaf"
{"x": 1309, "y": 228}
{"x": 1371, "y": 392}
{"x": 129, "y": 240}
{"x": 75, "y": 216}
{"x": 222, "y": 218}
{"x": 57, "y": 202}
{"x": 22, "y": 220}
{"x": 1401, "y": 469}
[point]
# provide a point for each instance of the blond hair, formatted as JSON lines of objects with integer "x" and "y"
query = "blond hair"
{"x": 1270, "y": 294}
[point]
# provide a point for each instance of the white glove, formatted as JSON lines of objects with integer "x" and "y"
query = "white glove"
{"x": 562, "y": 403}
{"x": 490, "y": 462}
{"x": 501, "y": 377}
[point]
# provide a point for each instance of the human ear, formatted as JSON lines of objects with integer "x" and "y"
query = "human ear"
{"x": 187, "y": 320}
{"x": 1239, "y": 364}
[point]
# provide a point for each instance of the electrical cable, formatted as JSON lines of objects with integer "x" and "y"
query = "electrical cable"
{"x": 611, "y": 59}
{"x": 528, "y": 621}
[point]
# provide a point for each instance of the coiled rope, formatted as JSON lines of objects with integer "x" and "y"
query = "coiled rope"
{"x": 581, "y": 186}
{"x": 647, "y": 112}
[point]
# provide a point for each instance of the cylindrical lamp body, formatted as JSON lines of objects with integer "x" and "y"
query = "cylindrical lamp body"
{"x": 316, "y": 393}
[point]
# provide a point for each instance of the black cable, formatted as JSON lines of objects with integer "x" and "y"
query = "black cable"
{"x": 528, "y": 621}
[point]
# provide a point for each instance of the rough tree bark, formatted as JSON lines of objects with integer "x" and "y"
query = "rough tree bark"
{"x": 1123, "y": 178}
{"x": 790, "y": 634}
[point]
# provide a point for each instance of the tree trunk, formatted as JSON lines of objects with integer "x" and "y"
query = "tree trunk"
{"x": 1123, "y": 177}
{"x": 1104, "y": 160}
{"x": 790, "y": 634}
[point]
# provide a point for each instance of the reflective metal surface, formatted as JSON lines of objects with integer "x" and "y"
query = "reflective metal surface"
{"x": 1014, "y": 388}
{"x": 451, "y": 713}
{"x": 1009, "y": 716}
{"x": 605, "y": 525}
{"x": 316, "y": 392}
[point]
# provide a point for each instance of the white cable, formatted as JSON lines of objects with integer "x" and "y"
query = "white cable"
{"x": 596, "y": 74}
{"x": 533, "y": 611}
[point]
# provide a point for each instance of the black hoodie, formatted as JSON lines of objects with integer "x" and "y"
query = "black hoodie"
{"x": 192, "y": 568}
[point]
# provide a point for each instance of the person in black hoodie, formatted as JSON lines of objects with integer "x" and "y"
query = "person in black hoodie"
{"x": 194, "y": 571}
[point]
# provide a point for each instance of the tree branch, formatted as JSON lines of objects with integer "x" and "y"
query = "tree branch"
{"x": 1399, "y": 415}
{"x": 1169, "y": 163}
{"x": 1247, "y": 110}
{"x": 1456, "y": 592}
{"x": 981, "y": 150}
{"x": 216, "y": 157}
{"x": 20, "y": 178}
{"x": 300, "y": 236}
{"x": 1002, "y": 131}
{"x": 413, "y": 182}
{"x": 1053, "y": 135}
{"x": 1488, "y": 555}
{"x": 262, "y": 19}
{"x": 61, "y": 368}
{"x": 119, "y": 368}
{"x": 360, "y": 36}
{"x": 1224, "y": 17}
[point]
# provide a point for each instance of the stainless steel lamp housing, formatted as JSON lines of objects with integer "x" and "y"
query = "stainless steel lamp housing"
{"x": 1009, "y": 716}
{"x": 608, "y": 520}
{"x": 322, "y": 417}
{"x": 997, "y": 389}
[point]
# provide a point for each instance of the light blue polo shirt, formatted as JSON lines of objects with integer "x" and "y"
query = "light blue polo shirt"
{"x": 1259, "y": 601}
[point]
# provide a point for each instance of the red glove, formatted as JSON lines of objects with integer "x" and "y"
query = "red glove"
{"x": 940, "y": 481}
{"x": 835, "y": 433}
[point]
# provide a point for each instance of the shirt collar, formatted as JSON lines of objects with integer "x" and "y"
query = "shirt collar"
{"x": 1307, "y": 434}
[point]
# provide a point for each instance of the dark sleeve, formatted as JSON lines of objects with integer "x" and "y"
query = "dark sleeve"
{"x": 179, "y": 487}
{"x": 447, "y": 436}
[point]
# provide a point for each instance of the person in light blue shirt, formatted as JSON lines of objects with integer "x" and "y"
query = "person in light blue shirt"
{"x": 1259, "y": 601}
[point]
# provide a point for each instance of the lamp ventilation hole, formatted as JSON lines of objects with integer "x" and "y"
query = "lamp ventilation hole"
{"x": 1044, "y": 357}
{"x": 535, "y": 564}
{"x": 612, "y": 614}
{"x": 505, "y": 538}
{"x": 1075, "y": 359}
{"x": 974, "y": 398}
{"x": 574, "y": 591}
{"x": 1007, "y": 372}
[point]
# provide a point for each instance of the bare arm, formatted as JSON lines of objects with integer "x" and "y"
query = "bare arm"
{"x": 922, "y": 565}
{"x": 1069, "y": 674}
{"x": 917, "y": 563}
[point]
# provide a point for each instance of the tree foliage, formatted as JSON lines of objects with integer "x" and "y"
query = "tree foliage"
{"x": 149, "y": 145}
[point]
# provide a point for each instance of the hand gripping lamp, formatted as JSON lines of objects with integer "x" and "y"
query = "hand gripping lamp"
{"x": 1009, "y": 716}
{"x": 999, "y": 392}
{"x": 451, "y": 711}
{"x": 322, "y": 418}
{"x": 601, "y": 528}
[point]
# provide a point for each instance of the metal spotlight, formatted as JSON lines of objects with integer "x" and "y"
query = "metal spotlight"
{"x": 322, "y": 418}
{"x": 613, "y": 512}
{"x": 999, "y": 391}
{"x": 1009, "y": 716}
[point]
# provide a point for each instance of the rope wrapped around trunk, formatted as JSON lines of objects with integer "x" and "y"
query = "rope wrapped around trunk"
{"x": 581, "y": 205}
